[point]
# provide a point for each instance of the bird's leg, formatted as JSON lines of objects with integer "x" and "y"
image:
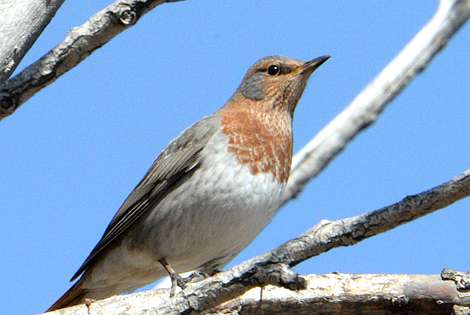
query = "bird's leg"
{"x": 176, "y": 279}
{"x": 88, "y": 303}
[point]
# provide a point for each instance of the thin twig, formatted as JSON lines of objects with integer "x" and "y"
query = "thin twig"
{"x": 79, "y": 44}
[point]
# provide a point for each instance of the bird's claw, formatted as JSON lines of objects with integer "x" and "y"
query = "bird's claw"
{"x": 176, "y": 281}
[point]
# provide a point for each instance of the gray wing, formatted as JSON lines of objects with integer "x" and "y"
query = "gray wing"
{"x": 176, "y": 163}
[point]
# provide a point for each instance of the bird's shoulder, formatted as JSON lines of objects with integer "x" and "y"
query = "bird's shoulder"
{"x": 181, "y": 154}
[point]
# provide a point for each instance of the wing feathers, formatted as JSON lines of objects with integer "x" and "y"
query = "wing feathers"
{"x": 178, "y": 160}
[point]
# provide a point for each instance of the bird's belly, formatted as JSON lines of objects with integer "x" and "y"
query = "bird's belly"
{"x": 208, "y": 219}
{"x": 211, "y": 218}
{"x": 213, "y": 215}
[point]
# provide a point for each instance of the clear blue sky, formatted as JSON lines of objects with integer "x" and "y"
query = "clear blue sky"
{"x": 74, "y": 151}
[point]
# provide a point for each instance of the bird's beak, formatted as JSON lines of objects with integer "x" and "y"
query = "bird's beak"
{"x": 312, "y": 65}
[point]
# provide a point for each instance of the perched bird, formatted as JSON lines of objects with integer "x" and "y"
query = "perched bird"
{"x": 208, "y": 194}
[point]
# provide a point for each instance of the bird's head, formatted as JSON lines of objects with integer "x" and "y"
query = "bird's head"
{"x": 277, "y": 83}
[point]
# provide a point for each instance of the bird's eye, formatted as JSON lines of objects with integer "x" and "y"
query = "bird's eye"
{"x": 274, "y": 70}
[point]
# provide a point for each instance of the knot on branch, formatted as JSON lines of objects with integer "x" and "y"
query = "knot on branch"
{"x": 7, "y": 104}
{"x": 461, "y": 279}
{"x": 277, "y": 274}
{"x": 400, "y": 301}
{"x": 127, "y": 14}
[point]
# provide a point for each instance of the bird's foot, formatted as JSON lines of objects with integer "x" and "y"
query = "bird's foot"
{"x": 88, "y": 302}
{"x": 176, "y": 279}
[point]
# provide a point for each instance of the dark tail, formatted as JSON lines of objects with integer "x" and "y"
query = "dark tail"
{"x": 75, "y": 295}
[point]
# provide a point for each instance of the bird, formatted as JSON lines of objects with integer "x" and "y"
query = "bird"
{"x": 207, "y": 195}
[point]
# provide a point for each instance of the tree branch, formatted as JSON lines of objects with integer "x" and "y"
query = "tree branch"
{"x": 272, "y": 268}
{"x": 79, "y": 44}
{"x": 349, "y": 231}
{"x": 22, "y": 23}
{"x": 367, "y": 106}
{"x": 335, "y": 294}
{"x": 345, "y": 294}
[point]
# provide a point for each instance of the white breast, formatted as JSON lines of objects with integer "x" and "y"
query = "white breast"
{"x": 204, "y": 222}
{"x": 216, "y": 213}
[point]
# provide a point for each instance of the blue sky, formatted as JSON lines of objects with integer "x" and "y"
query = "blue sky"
{"x": 75, "y": 150}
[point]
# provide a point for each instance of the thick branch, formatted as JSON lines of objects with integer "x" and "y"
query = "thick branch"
{"x": 272, "y": 267}
{"x": 335, "y": 294}
{"x": 79, "y": 44}
{"x": 367, "y": 106}
{"x": 22, "y": 23}
{"x": 344, "y": 294}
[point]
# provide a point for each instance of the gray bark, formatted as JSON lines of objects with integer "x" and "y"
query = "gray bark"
{"x": 21, "y": 24}
{"x": 345, "y": 294}
{"x": 333, "y": 294}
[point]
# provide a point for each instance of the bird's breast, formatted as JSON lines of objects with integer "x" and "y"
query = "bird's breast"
{"x": 210, "y": 217}
{"x": 260, "y": 140}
